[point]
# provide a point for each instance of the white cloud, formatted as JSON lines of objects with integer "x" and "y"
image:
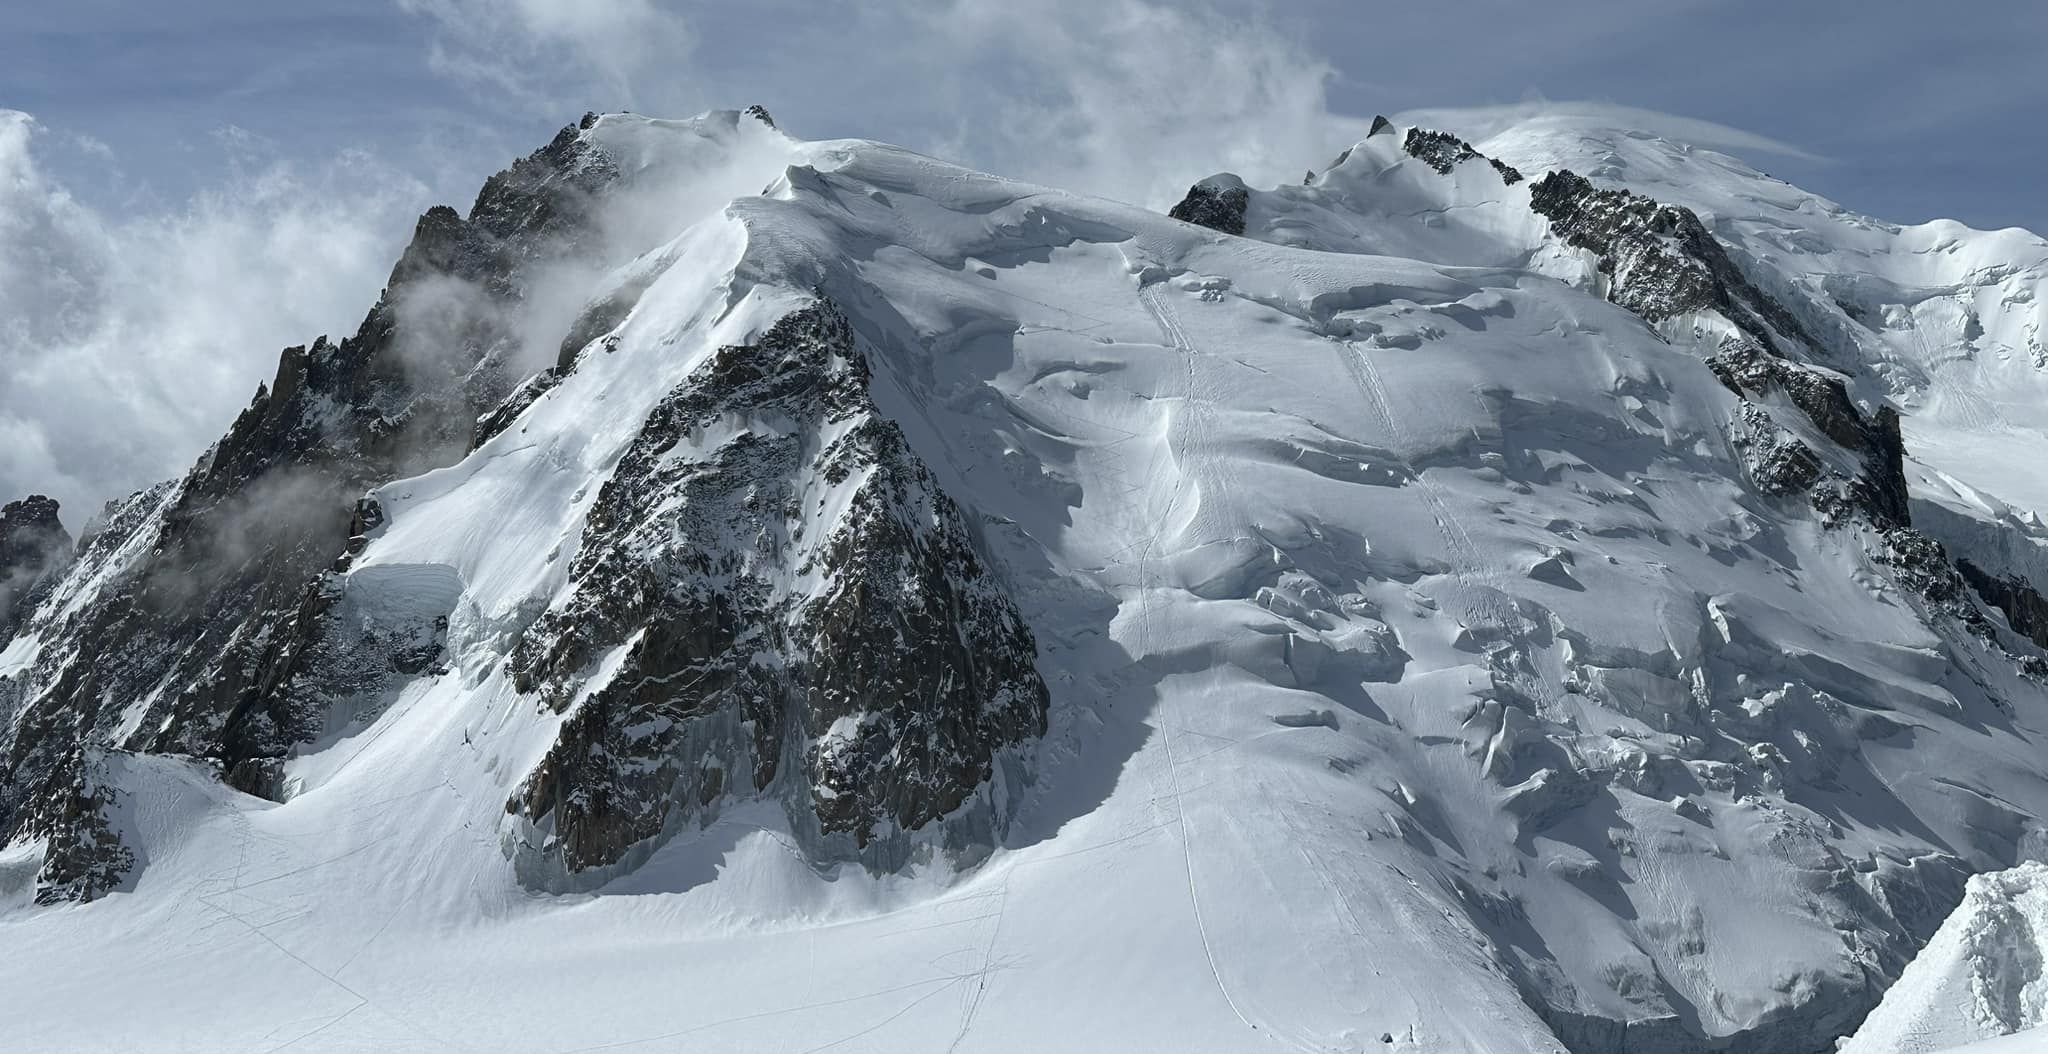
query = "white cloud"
{"x": 128, "y": 345}
{"x": 561, "y": 56}
{"x": 1131, "y": 98}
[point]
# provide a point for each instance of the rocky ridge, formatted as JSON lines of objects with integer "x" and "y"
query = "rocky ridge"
{"x": 1217, "y": 203}
{"x": 196, "y": 646}
{"x": 279, "y": 652}
{"x": 802, "y": 614}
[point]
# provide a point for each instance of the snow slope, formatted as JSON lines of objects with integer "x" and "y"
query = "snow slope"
{"x": 1980, "y": 978}
{"x": 1428, "y": 671}
{"x": 2033, "y": 1039}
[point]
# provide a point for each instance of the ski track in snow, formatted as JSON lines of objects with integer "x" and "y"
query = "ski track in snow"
{"x": 1194, "y": 401}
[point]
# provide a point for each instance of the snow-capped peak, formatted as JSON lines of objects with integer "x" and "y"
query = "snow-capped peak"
{"x": 777, "y": 594}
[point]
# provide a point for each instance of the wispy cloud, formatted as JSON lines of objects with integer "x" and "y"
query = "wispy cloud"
{"x": 1483, "y": 122}
{"x": 128, "y": 344}
{"x": 561, "y": 55}
{"x": 1131, "y": 98}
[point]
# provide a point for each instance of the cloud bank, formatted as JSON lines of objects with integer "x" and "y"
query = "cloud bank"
{"x": 587, "y": 54}
{"x": 127, "y": 345}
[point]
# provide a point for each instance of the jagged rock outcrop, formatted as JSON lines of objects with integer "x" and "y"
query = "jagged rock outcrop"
{"x": 1778, "y": 463}
{"x": 1442, "y": 151}
{"x": 1217, "y": 203}
{"x": 1660, "y": 259}
{"x": 207, "y": 630}
{"x": 800, "y": 611}
{"x": 34, "y": 549}
{"x": 83, "y": 858}
{"x": 238, "y": 627}
{"x": 1662, "y": 262}
{"x": 1748, "y": 370}
{"x": 2026, "y": 610}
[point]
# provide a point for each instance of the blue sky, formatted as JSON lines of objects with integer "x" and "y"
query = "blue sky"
{"x": 1919, "y": 111}
{"x": 196, "y": 185}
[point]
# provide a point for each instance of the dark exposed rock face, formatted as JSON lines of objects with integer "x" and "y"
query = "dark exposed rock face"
{"x": 1442, "y": 151}
{"x": 2026, "y": 610}
{"x": 1920, "y": 565}
{"x": 1777, "y": 462}
{"x": 1880, "y": 490}
{"x": 34, "y": 550}
{"x": 1216, "y": 203}
{"x": 227, "y": 625}
{"x": 1875, "y": 497}
{"x": 1662, "y": 261}
{"x": 1782, "y": 465}
{"x": 597, "y": 320}
{"x": 528, "y": 393}
{"x": 801, "y": 614}
{"x": 84, "y": 858}
{"x": 214, "y": 628}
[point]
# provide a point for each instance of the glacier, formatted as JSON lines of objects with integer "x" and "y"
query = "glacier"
{"x": 1564, "y": 592}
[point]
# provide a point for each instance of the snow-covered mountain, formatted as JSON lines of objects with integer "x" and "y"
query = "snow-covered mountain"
{"x": 1565, "y": 592}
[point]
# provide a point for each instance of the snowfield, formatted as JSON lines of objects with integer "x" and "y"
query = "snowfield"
{"x": 1428, "y": 671}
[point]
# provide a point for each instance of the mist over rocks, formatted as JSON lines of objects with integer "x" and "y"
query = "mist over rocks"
{"x": 34, "y": 549}
{"x": 223, "y": 604}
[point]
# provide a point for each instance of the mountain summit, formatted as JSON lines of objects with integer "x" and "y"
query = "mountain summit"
{"x": 1564, "y": 592}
